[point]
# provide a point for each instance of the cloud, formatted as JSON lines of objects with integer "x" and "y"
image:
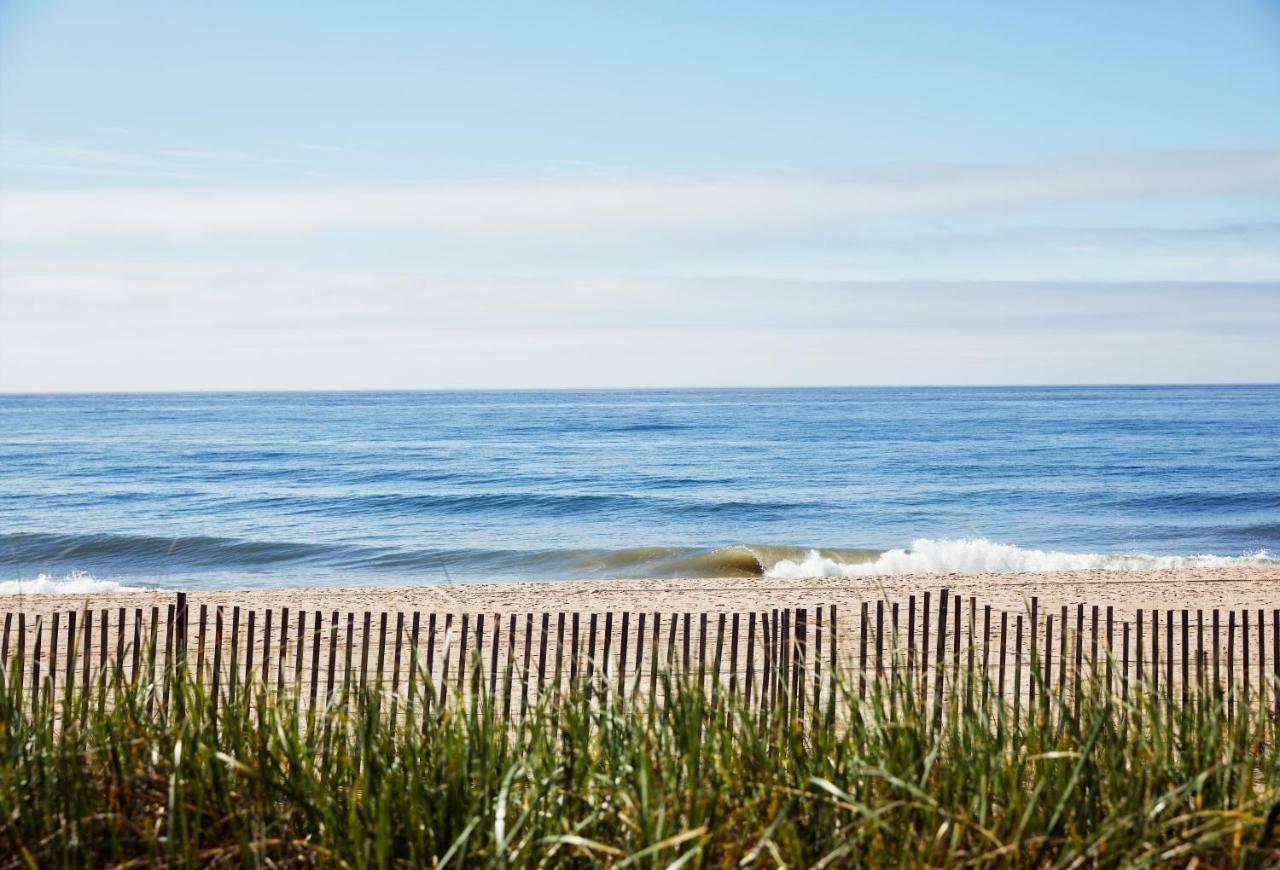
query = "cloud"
{"x": 611, "y": 208}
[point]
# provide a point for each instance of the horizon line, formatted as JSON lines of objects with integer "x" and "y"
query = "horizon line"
{"x": 639, "y": 389}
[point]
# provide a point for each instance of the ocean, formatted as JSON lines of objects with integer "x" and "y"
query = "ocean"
{"x": 263, "y": 490}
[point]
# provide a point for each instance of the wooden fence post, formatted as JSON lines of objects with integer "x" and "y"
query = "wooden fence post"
{"x": 1004, "y": 637}
{"x": 939, "y": 658}
{"x": 733, "y": 656}
{"x": 1018, "y": 672}
{"x": 863, "y": 628}
{"x": 832, "y": 665}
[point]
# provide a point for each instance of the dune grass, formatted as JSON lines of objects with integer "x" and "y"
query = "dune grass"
{"x": 584, "y": 780}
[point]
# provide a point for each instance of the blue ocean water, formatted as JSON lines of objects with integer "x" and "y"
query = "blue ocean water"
{"x": 256, "y": 490}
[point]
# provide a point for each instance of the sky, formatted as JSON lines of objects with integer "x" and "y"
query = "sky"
{"x": 242, "y": 196}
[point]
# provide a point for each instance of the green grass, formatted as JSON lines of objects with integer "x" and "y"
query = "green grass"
{"x": 697, "y": 781}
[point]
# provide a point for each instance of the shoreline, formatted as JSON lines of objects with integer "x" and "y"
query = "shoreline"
{"x": 1177, "y": 588}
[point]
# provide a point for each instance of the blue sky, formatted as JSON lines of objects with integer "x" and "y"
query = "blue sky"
{"x": 237, "y": 196}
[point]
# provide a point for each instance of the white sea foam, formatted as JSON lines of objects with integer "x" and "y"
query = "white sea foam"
{"x": 978, "y": 555}
{"x": 75, "y": 583}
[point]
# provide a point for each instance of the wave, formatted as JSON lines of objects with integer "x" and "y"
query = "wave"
{"x": 736, "y": 560}
{"x": 981, "y": 556}
{"x": 153, "y": 553}
{"x": 77, "y": 558}
{"x": 523, "y": 504}
{"x": 75, "y": 583}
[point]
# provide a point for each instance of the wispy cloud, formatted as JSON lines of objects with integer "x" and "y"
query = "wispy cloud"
{"x": 621, "y": 206}
{"x": 158, "y": 167}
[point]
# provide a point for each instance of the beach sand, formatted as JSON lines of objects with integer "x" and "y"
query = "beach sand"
{"x": 531, "y": 617}
{"x": 1191, "y": 588}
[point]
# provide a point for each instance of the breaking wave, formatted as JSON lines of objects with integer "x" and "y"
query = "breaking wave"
{"x": 78, "y": 560}
{"x": 980, "y": 556}
{"x": 75, "y": 583}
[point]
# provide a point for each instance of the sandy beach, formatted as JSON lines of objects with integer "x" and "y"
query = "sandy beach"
{"x": 530, "y": 612}
{"x": 1191, "y": 588}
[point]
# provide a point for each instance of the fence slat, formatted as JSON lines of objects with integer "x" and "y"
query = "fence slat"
{"x": 477, "y": 671}
{"x": 560, "y": 656}
{"x": 1110, "y": 644}
{"x": 266, "y": 647}
{"x": 524, "y": 678}
{"x": 395, "y": 655}
{"x": 591, "y": 650}
{"x": 606, "y": 653}
{"x": 1201, "y": 664}
{"x": 1064, "y": 628}
{"x": 968, "y": 682}
{"x": 444, "y": 660}
{"x": 879, "y": 675}
{"x": 382, "y": 647}
{"x": 622, "y": 654}
{"x": 333, "y": 657}
{"x": 462, "y": 656}
{"x": 346, "y": 656}
{"x": 53, "y": 657}
{"x": 1033, "y": 630}
{"x": 217, "y": 661}
{"x": 911, "y": 639}
{"x": 715, "y": 667}
{"x": 493, "y": 659}
{"x": 235, "y": 652}
{"x": 1017, "y": 674}
{"x": 831, "y": 696}
{"x": 102, "y": 654}
{"x": 1262, "y": 657}
{"x": 1047, "y": 682}
{"x": 1186, "y": 653}
{"x": 22, "y": 649}
{"x": 1079, "y": 653}
{"x": 87, "y": 644}
{"x": 1217, "y": 677}
{"x": 986, "y": 653}
{"x": 1244, "y": 654}
{"x": 1155, "y": 650}
{"x": 300, "y": 651}
{"x": 1138, "y": 672}
{"x": 1275, "y": 657}
{"x": 733, "y": 657}
{"x": 799, "y": 662}
{"x": 1231, "y": 648}
{"x": 1124, "y": 667}
{"x": 1093, "y": 643}
{"x": 924, "y": 649}
{"x": 249, "y": 644}
{"x": 415, "y": 629}
{"x": 1004, "y": 637}
{"x": 573, "y": 653}
{"x": 151, "y": 656}
{"x": 784, "y": 668}
{"x": 542, "y": 652}
{"x": 283, "y": 657}
{"x": 938, "y": 678}
{"x": 640, "y": 628}
{"x": 656, "y": 628}
{"x": 200, "y": 636}
{"x": 863, "y": 629}
{"x": 316, "y": 641}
